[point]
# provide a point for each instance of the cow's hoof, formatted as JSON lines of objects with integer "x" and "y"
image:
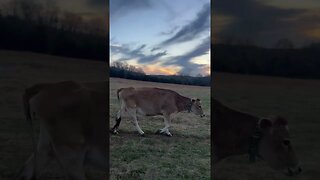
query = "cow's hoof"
{"x": 114, "y": 131}
{"x": 143, "y": 135}
{"x": 169, "y": 134}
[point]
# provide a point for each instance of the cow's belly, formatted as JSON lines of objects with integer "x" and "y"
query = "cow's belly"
{"x": 146, "y": 112}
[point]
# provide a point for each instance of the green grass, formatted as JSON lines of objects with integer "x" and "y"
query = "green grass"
{"x": 188, "y": 151}
{"x": 297, "y": 100}
{"x": 186, "y": 155}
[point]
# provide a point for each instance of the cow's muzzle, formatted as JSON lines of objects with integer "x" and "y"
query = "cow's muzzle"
{"x": 202, "y": 115}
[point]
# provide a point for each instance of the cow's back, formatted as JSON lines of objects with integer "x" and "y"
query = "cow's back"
{"x": 68, "y": 110}
{"x": 151, "y": 101}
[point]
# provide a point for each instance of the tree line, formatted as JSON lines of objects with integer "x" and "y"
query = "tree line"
{"x": 123, "y": 70}
{"x": 40, "y": 26}
{"x": 284, "y": 61}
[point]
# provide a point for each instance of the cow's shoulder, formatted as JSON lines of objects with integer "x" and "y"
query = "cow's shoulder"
{"x": 128, "y": 92}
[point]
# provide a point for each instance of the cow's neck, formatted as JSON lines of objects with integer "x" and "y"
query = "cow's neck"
{"x": 249, "y": 129}
{"x": 183, "y": 103}
{"x": 232, "y": 131}
{"x": 239, "y": 142}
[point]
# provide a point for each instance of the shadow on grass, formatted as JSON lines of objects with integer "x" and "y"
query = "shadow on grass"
{"x": 150, "y": 134}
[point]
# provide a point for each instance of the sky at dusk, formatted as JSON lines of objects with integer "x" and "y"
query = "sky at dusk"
{"x": 265, "y": 22}
{"x": 171, "y": 36}
{"x": 161, "y": 36}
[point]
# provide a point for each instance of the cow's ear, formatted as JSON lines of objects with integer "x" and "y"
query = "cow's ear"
{"x": 198, "y": 99}
{"x": 265, "y": 123}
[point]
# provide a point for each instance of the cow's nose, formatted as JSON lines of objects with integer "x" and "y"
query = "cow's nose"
{"x": 202, "y": 115}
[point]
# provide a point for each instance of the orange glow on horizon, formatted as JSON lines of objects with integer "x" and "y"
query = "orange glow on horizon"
{"x": 153, "y": 69}
{"x": 314, "y": 33}
{"x": 172, "y": 70}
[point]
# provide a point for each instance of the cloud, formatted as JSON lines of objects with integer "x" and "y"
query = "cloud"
{"x": 123, "y": 7}
{"x": 138, "y": 50}
{"x": 193, "y": 29}
{"x": 262, "y": 23}
{"x": 128, "y": 53}
{"x": 155, "y": 48}
{"x": 150, "y": 58}
{"x": 184, "y": 61}
{"x": 120, "y": 8}
{"x": 170, "y": 31}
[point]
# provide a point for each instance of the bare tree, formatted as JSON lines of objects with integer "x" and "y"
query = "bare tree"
{"x": 11, "y": 7}
{"x": 51, "y": 13}
{"x": 71, "y": 21}
{"x": 96, "y": 25}
{"x": 284, "y": 43}
{"x": 199, "y": 75}
{"x": 30, "y": 10}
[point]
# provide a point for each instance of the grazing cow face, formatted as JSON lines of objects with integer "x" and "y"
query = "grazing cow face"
{"x": 196, "y": 107}
{"x": 275, "y": 146}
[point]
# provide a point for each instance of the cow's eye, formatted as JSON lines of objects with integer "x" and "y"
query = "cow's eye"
{"x": 199, "y": 106}
{"x": 286, "y": 142}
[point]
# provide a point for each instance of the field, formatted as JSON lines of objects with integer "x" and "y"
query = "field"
{"x": 19, "y": 70}
{"x": 186, "y": 155}
{"x": 297, "y": 100}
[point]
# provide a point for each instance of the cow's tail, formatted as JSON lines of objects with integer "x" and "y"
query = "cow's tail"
{"x": 118, "y": 91}
{"x": 28, "y": 94}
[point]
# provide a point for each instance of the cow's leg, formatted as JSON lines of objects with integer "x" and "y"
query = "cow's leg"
{"x": 43, "y": 158}
{"x": 167, "y": 124}
{"x": 27, "y": 172}
{"x": 118, "y": 121}
{"x": 71, "y": 160}
{"x": 133, "y": 113}
{"x": 115, "y": 128}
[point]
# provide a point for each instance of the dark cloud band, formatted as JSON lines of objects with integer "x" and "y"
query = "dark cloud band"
{"x": 192, "y": 30}
{"x": 260, "y": 23}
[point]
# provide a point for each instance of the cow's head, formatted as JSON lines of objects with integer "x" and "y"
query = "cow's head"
{"x": 196, "y": 107}
{"x": 275, "y": 146}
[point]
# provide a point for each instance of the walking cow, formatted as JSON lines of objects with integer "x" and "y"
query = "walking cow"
{"x": 154, "y": 101}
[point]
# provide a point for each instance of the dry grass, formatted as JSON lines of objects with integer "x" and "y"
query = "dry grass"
{"x": 186, "y": 155}
{"x": 296, "y": 99}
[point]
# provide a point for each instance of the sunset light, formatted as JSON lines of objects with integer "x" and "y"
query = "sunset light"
{"x": 162, "y": 37}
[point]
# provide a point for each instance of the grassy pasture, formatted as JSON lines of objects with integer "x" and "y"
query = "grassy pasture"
{"x": 186, "y": 155}
{"x": 297, "y": 100}
{"x": 19, "y": 70}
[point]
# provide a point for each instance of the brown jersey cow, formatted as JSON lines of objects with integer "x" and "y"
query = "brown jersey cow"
{"x": 72, "y": 127}
{"x": 154, "y": 101}
{"x": 236, "y": 133}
